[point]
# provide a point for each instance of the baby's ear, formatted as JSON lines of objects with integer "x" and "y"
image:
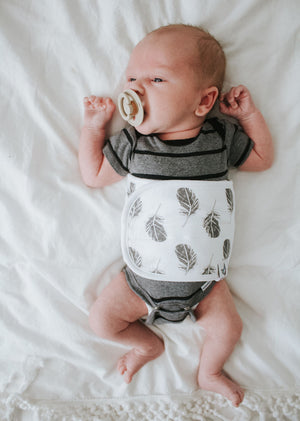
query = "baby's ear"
{"x": 207, "y": 101}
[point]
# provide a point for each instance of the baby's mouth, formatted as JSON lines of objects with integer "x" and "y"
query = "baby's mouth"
{"x": 145, "y": 108}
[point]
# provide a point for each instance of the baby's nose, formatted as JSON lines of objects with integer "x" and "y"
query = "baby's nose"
{"x": 137, "y": 86}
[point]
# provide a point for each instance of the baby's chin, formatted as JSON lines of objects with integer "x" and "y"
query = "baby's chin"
{"x": 147, "y": 126}
{"x": 143, "y": 132}
{"x": 144, "y": 129}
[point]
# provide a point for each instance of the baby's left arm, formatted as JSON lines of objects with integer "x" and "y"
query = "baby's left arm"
{"x": 238, "y": 103}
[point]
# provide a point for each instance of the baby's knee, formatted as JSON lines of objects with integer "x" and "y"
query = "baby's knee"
{"x": 232, "y": 327}
{"x": 237, "y": 325}
{"x": 98, "y": 318}
{"x": 227, "y": 328}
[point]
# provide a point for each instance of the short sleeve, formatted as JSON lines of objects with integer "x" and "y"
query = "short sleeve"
{"x": 118, "y": 150}
{"x": 238, "y": 143}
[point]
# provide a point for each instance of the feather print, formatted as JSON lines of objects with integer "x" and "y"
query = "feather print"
{"x": 131, "y": 189}
{"x": 226, "y": 249}
{"x": 209, "y": 269}
{"x": 211, "y": 224}
{"x": 229, "y": 198}
{"x": 188, "y": 201}
{"x": 223, "y": 270}
{"x": 136, "y": 208}
{"x": 135, "y": 257}
{"x": 155, "y": 228}
{"x": 156, "y": 270}
{"x": 186, "y": 256}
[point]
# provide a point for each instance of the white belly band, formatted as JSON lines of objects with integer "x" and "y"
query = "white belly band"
{"x": 178, "y": 230}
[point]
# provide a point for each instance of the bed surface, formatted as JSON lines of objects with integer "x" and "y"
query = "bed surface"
{"x": 60, "y": 240}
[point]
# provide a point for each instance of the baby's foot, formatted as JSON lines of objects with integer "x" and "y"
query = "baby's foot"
{"x": 97, "y": 111}
{"x": 133, "y": 361}
{"x": 220, "y": 383}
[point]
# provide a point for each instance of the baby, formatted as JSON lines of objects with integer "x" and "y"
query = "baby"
{"x": 177, "y": 72}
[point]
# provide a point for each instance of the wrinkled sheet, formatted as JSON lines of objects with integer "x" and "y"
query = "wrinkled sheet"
{"x": 60, "y": 240}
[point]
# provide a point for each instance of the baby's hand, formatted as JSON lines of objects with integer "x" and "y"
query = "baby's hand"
{"x": 97, "y": 111}
{"x": 237, "y": 103}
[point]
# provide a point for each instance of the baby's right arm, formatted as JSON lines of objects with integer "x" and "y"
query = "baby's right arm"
{"x": 95, "y": 169}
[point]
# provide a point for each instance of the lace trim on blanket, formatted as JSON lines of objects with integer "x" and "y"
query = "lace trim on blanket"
{"x": 203, "y": 406}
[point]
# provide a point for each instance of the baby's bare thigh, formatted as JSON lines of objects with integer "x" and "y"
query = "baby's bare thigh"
{"x": 217, "y": 308}
{"x": 118, "y": 301}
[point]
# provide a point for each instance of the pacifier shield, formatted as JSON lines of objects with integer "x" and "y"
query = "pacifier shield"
{"x": 130, "y": 107}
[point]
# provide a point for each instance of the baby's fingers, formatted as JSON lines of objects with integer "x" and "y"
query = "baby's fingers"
{"x": 238, "y": 93}
{"x": 93, "y": 102}
{"x": 232, "y": 97}
{"x": 88, "y": 101}
{"x": 90, "y": 98}
{"x": 228, "y": 101}
{"x": 109, "y": 104}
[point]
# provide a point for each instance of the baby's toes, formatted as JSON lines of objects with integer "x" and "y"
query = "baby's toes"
{"x": 237, "y": 397}
{"x": 241, "y": 395}
{"x": 122, "y": 366}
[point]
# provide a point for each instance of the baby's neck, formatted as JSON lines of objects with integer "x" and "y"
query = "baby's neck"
{"x": 184, "y": 134}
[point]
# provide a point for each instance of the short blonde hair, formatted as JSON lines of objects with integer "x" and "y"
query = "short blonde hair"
{"x": 212, "y": 61}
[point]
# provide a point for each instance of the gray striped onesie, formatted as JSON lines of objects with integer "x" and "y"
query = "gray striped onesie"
{"x": 219, "y": 145}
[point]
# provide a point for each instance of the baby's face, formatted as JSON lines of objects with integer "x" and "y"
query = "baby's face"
{"x": 162, "y": 70}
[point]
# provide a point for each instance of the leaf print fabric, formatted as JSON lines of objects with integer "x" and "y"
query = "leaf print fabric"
{"x": 136, "y": 208}
{"x": 229, "y": 198}
{"x": 188, "y": 202}
{"x": 226, "y": 249}
{"x": 131, "y": 189}
{"x": 155, "y": 228}
{"x": 177, "y": 230}
{"x": 186, "y": 256}
{"x": 211, "y": 224}
{"x": 157, "y": 269}
{"x": 135, "y": 257}
{"x": 209, "y": 269}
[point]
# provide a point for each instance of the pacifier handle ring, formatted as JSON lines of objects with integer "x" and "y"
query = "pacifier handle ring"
{"x": 126, "y": 102}
{"x": 128, "y": 108}
{"x": 125, "y": 97}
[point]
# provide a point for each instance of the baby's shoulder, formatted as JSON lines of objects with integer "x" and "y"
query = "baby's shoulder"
{"x": 214, "y": 124}
{"x": 224, "y": 127}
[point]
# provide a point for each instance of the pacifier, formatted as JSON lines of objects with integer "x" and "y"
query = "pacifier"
{"x": 130, "y": 107}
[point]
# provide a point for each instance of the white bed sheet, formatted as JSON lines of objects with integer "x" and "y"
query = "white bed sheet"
{"x": 59, "y": 240}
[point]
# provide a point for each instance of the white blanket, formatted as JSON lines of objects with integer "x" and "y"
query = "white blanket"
{"x": 60, "y": 241}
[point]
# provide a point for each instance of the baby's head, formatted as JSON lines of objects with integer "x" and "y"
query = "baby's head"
{"x": 207, "y": 55}
{"x": 178, "y": 72}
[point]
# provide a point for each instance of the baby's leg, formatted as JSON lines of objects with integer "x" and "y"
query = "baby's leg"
{"x": 115, "y": 316}
{"x": 217, "y": 314}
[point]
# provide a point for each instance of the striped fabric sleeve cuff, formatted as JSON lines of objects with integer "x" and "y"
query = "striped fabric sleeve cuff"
{"x": 114, "y": 160}
{"x": 245, "y": 153}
